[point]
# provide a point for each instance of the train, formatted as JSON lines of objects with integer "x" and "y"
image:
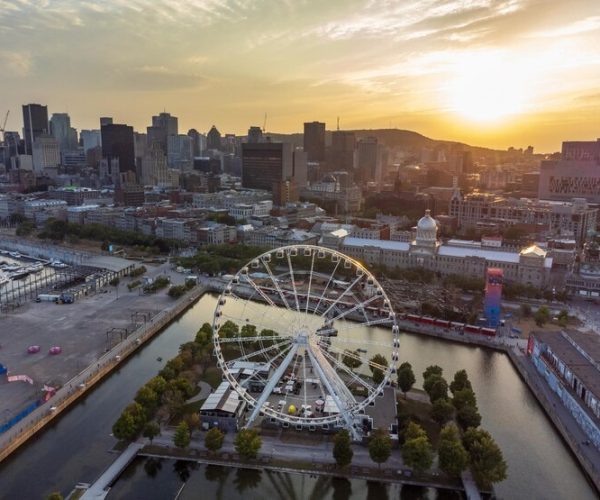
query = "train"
{"x": 450, "y": 325}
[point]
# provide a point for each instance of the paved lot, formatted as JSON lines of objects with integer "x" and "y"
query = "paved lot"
{"x": 79, "y": 329}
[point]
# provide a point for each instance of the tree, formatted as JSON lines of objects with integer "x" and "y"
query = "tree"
{"x": 114, "y": 282}
{"x": 406, "y": 378}
{"x": 249, "y": 331}
{"x": 464, "y": 397}
{"x": 124, "y": 428}
{"x": 342, "y": 449}
{"x": 182, "y": 436}
{"x": 380, "y": 447}
{"x": 417, "y": 453}
{"x": 247, "y": 443}
{"x": 542, "y": 316}
{"x": 151, "y": 430}
{"x": 214, "y": 439}
{"x": 204, "y": 334}
{"x": 431, "y": 370}
{"x": 193, "y": 421}
{"x": 229, "y": 329}
{"x": 437, "y": 388}
{"x": 378, "y": 376}
{"x": 442, "y": 410}
{"x": 148, "y": 398}
{"x": 563, "y": 318}
{"x": 468, "y": 416}
{"x": 378, "y": 359}
{"x": 460, "y": 382}
{"x": 351, "y": 359}
{"x": 55, "y": 495}
{"x": 157, "y": 384}
{"x": 453, "y": 458}
{"x": 485, "y": 456}
{"x": 525, "y": 310}
{"x": 413, "y": 431}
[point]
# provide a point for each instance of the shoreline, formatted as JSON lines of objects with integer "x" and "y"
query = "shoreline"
{"x": 86, "y": 380}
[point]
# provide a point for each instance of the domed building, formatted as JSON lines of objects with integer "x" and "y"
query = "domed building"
{"x": 467, "y": 258}
{"x": 427, "y": 229}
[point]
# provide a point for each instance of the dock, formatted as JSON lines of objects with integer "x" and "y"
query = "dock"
{"x": 100, "y": 488}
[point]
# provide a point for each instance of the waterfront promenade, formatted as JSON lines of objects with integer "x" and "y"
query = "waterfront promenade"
{"x": 75, "y": 388}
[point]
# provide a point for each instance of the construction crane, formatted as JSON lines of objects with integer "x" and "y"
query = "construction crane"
{"x": 3, "y": 128}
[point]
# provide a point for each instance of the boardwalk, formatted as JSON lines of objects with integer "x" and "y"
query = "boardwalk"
{"x": 102, "y": 485}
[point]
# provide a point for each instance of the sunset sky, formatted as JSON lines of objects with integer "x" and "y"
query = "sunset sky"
{"x": 494, "y": 73}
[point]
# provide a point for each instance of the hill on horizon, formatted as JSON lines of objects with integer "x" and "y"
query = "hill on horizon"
{"x": 406, "y": 139}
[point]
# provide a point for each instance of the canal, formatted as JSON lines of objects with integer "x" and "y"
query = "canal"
{"x": 75, "y": 448}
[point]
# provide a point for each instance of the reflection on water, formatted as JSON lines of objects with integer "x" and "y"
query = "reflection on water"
{"x": 75, "y": 448}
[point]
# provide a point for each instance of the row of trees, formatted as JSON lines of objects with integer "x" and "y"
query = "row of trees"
{"x": 178, "y": 291}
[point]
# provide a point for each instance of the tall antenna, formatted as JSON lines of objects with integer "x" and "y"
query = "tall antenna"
{"x": 338, "y": 122}
{"x": 264, "y": 128}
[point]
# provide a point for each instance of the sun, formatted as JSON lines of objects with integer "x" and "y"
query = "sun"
{"x": 487, "y": 89}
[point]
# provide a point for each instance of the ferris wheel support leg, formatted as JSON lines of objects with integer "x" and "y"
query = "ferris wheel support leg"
{"x": 273, "y": 381}
{"x": 356, "y": 436}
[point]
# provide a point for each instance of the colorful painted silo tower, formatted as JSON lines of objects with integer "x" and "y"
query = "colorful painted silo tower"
{"x": 493, "y": 296}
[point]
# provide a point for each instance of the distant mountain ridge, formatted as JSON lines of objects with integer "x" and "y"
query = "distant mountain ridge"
{"x": 407, "y": 139}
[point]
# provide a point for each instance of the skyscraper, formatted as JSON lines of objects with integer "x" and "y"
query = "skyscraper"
{"x": 60, "y": 129}
{"x": 163, "y": 125}
{"x": 117, "y": 143}
{"x": 106, "y": 120}
{"x": 35, "y": 123}
{"x": 266, "y": 164}
{"x": 197, "y": 141}
{"x": 369, "y": 159}
{"x": 343, "y": 144}
{"x": 213, "y": 139}
{"x": 314, "y": 141}
{"x": 255, "y": 135}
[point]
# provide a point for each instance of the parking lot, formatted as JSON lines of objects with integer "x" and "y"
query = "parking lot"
{"x": 79, "y": 329}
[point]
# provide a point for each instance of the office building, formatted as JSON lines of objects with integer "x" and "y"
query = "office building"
{"x": 575, "y": 175}
{"x": 179, "y": 155}
{"x": 35, "y": 123}
{"x": 213, "y": 139}
{"x": 90, "y": 139}
{"x": 117, "y": 143}
{"x": 106, "y": 120}
{"x": 46, "y": 153}
{"x": 343, "y": 145}
{"x": 369, "y": 159}
{"x": 266, "y": 164}
{"x": 255, "y": 135}
{"x": 314, "y": 141}
{"x": 163, "y": 126}
{"x": 198, "y": 142}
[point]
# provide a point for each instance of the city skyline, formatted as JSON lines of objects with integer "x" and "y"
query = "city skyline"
{"x": 491, "y": 73}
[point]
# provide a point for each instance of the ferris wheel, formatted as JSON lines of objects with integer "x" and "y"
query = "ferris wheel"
{"x": 307, "y": 337}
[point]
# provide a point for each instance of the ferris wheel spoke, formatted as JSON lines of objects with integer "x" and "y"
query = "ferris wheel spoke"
{"x": 273, "y": 381}
{"x": 354, "y": 325}
{"x": 344, "y": 293}
{"x": 260, "y": 291}
{"x": 360, "y": 306}
{"x": 327, "y": 285}
{"x": 362, "y": 343}
{"x": 283, "y": 351}
{"x": 227, "y": 340}
{"x": 310, "y": 277}
{"x": 293, "y": 278}
{"x": 260, "y": 352}
{"x": 347, "y": 370}
{"x": 240, "y": 320}
{"x": 356, "y": 356}
{"x": 276, "y": 283}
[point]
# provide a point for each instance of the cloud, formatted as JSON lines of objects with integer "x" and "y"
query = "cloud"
{"x": 15, "y": 63}
{"x": 582, "y": 26}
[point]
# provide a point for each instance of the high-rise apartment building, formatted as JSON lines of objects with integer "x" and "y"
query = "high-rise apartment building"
{"x": 266, "y": 164}
{"x": 35, "y": 123}
{"x": 314, "y": 141}
{"x": 117, "y": 143}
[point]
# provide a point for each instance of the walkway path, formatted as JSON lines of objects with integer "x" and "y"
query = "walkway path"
{"x": 205, "y": 390}
{"x": 471, "y": 489}
{"x": 101, "y": 486}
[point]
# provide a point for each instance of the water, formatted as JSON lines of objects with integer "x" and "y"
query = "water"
{"x": 75, "y": 448}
